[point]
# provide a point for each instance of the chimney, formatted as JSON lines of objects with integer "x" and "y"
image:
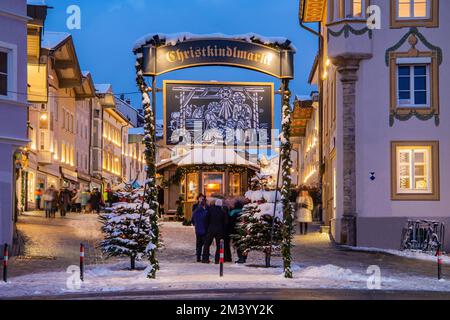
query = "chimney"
{"x": 122, "y": 97}
{"x": 128, "y": 101}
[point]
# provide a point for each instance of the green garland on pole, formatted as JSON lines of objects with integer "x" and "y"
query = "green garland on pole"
{"x": 151, "y": 191}
{"x": 286, "y": 165}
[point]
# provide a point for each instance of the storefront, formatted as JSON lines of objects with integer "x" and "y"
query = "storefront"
{"x": 219, "y": 174}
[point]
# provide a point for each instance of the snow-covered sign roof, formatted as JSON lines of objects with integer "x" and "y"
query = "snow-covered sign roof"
{"x": 51, "y": 40}
{"x": 205, "y": 156}
{"x": 174, "y": 38}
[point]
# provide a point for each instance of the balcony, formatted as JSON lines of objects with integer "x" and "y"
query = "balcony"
{"x": 349, "y": 37}
{"x": 45, "y": 157}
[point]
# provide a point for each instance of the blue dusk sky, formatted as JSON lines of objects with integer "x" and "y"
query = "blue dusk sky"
{"x": 109, "y": 29}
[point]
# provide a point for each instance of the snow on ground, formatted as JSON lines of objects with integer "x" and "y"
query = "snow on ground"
{"x": 410, "y": 254}
{"x": 179, "y": 271}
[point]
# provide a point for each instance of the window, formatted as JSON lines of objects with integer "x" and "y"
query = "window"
{"x": 415, "y": 167}
{"x": 414, "y": 13}
{"x": 412, "y": 9}
{"x": 191, "y": 186}
{"x": 413, "y": 85}
{"x": 358, "y": 8}
{"x": 213, "y": 184}
{"x": 235, "y": 184}
{"x": 3, "y": 73}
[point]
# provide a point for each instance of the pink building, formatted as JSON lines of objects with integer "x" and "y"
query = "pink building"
{"x": 385, "y": 115}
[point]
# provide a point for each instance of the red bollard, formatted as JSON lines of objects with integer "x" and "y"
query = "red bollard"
{"x": 439, "y": 261}
{"x": 82, "y": 262}
{"x": 5, "y": 263}
{"x": 222, "y": 257}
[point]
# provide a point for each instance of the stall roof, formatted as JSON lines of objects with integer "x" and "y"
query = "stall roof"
{"x": 205, "y": 156}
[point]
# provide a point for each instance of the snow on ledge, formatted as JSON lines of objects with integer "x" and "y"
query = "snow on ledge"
{"x": 418, "y": 255}
{"x": 174, "y": 38}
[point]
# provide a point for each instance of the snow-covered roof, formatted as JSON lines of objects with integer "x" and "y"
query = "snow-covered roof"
{"x": 103, "y": 88}
{"x": 36, "y": 3}
{"x": 174, "y": 38}
{"x": 51, "y": 40}
{"x": 136, "y": 131}
{"x": 205, "y": 156}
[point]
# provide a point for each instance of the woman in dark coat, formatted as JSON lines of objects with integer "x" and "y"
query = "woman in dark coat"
{"x": 217, "y": 221}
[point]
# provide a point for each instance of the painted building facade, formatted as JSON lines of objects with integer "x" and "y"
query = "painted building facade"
{"x": 385, "y": 112}
{"x": 13, "y": 102}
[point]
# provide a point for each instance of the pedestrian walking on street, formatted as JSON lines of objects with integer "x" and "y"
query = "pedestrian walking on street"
{"x": 84, "y": 200}
{"x": 199, "y": 220}
{"x": 65, "y": 197}
{"x": 49, "y": 201}
{"x": 217, "y": 221}
{"x": 76, "y": 200}
{"x": 305, "y": 205}
{"x": 38, "y": 193}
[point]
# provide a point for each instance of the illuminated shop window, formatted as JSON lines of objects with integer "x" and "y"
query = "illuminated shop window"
{"x": 192, "y": 187}
{"x": 213, "y": 184}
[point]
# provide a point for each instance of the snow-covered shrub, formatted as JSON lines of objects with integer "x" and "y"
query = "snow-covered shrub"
{"x": 127, "y": 228}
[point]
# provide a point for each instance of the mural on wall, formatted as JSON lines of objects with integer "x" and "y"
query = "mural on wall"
{"x": 218, "y": 113}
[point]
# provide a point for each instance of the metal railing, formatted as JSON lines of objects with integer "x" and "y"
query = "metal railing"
{"x": 424, "y": 235}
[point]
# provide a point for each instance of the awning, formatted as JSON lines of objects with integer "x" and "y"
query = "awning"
{"x": 84, "y": 177}
{"x": 69, "y": 175}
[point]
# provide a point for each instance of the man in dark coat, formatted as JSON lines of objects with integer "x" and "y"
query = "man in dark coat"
{"x": 217, "y": 221}
{"x": 65, "y": 197}
{"x": 95, "y": 200}
{"x": 199, "y": 220}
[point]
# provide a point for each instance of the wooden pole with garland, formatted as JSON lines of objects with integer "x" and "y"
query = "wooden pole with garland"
{"x": 150, "y": 189}
{"x": 286, "y": 188}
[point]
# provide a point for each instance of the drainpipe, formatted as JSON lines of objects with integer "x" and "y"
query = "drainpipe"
{"x": 123, "y": 146}
{"x": 320, "y": 72}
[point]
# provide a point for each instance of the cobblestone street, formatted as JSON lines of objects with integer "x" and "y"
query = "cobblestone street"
{"x": 54, "y": 244}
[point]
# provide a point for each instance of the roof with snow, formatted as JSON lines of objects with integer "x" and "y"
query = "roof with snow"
{"x": 207, "y": 156}
{"x": 52, "y": 40}
{"x": 103, "y": 88}
{"x": 174, "y": 38}
{"x": 36, "y": 3}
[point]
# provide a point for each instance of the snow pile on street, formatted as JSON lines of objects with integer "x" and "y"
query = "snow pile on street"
{"x": 174, "y": 38}
{"x": 411, "y": 254}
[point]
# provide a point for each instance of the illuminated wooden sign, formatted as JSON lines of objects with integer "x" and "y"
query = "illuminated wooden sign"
{"x": 218, "y": 113}
{"x": 312, "y": 10}
{"x": 272, "y": 60}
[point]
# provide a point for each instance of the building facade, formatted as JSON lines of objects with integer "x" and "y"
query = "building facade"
{"x": 13, "y": 103}
{"x": 385, "y": 112}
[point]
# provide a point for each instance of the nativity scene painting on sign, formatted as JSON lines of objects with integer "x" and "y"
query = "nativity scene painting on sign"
{"x": 218, "y": 112}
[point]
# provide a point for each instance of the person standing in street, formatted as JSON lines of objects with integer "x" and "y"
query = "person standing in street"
{"x": 95, "y": 200}
{"x": 199, "y": 220}
{"x": 217, "y": 221}
{"x": 305, "y": 205}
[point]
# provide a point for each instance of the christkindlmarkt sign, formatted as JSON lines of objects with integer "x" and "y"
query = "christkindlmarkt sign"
{"x": 218, "y": 113}
{"x": 247, "y": 51}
